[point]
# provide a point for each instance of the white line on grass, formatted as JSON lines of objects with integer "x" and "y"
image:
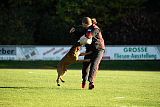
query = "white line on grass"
{"x": 119, "y": 98}
{"x": 66, "y": 74}
{"x": 55, "y": 73}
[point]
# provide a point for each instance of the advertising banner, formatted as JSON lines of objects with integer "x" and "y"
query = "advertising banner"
{"x": 132, "y": 53}
{"x": 32, "y": 52}
{"x": 42, "y": 52}
{"x": 7, "y": 52}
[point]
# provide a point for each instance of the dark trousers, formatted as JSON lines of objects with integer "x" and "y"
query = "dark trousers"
{"x": 89, "y": 69}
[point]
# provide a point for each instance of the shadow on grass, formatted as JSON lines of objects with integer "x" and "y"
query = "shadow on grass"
{"x": 24, "y": 87}
{"x": 57, "y": 88}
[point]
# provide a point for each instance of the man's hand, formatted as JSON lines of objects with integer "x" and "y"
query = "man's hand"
{"x": 72, "y": 30}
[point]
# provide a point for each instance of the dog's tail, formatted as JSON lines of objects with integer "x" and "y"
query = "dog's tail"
{"x": 46, "y": 66}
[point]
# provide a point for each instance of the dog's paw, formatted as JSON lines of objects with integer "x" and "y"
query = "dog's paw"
{"x": 62, "y": 81}
{"x": 87, "y": 60}
{"x": 89, "y": 52}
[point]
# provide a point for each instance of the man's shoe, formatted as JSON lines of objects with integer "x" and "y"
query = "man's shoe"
{"x": 83, "y": 85}
{"x": 91, "y": 86}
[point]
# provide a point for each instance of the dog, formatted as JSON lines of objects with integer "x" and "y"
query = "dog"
{"x": 70, "y": 58}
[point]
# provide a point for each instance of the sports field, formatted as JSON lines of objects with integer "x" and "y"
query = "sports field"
{"x": 38, "y": 88}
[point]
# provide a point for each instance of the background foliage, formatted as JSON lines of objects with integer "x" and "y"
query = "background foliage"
{"x": 47, "y": 22}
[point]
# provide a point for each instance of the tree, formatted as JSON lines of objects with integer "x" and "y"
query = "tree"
{"x": 47, "y": 22}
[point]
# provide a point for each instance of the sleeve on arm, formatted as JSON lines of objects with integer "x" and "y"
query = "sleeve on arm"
{"x": 79, "y": 32}
{"x": 89, "y": 33}
{"x": 95, "y": 32}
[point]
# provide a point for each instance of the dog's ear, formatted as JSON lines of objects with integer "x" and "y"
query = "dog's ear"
{"x": 77, "y": 44}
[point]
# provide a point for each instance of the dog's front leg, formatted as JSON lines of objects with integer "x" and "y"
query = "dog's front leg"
{"x": 83, "y": 54}
{"x": 85, "y": 60}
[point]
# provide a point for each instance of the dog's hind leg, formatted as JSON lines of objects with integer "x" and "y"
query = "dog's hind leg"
{"x": 62, "y": 79}
{"x": 58, "y": 80}
{"x": 64, "y": 71}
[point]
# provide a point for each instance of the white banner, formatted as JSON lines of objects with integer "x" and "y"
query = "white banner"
{"x": 32, "y": 52}
{"x": 134, "y": 52}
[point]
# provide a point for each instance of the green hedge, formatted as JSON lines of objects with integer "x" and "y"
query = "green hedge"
{"x": 106, "y": 65}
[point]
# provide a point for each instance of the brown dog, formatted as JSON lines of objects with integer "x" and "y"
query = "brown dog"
{"x": 70, "y": 58}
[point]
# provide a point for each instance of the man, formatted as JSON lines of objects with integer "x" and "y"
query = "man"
{"x": 93, "y": 41}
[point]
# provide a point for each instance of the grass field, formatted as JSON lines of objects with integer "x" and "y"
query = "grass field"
{"x": 37, "y": 88}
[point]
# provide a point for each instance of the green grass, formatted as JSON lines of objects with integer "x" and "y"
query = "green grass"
{"x": 37, "y": 88}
